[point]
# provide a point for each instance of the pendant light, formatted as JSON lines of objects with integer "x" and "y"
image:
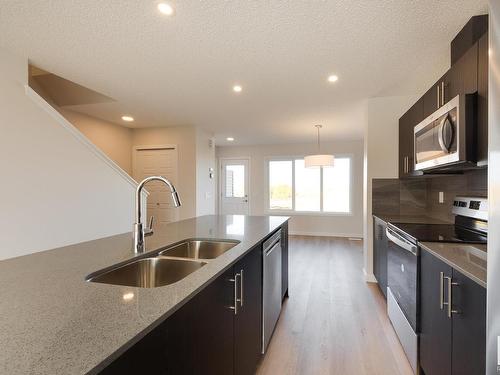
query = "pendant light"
{"x": 319, "y": 160}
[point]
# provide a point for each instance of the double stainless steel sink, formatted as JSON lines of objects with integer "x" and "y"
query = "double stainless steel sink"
{"x": 164, "y": 266}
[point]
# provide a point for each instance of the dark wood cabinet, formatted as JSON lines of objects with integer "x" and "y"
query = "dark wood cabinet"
{"x": 248, "y": 321}
{"x": 207, "y": 335}
{"x": 380, "y": 253}
{"x": 284, "y": 260}
{"x": 463, "y": 75}
{"x": 450, "y": 343}
{"x": 432, "y": 99}
{"x": 406, "y": 147}
{"x": 468, "y": 75}
{"x": 468, "y": 327}
{"x": 482, "y": 101}
{"x": 435, "y": 327}
{"x": 212, "y": 327}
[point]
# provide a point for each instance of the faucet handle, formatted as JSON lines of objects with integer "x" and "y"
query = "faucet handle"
{"x": 149, "y": 230}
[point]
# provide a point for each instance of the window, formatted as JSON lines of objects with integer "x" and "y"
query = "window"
{"x": 235, "y": 181}
{"x": 292, "y": 187}
{"x": 280, "y": 185}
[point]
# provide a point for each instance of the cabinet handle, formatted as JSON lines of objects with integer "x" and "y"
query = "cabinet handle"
{"x": 235, "y": 291}
{"x": 438, "y": 97}
{"x": 449, "y": 304}
{"x": 442, "y": 93}
{"x": 241, "y": 288}
{"x": 441, "y": 287}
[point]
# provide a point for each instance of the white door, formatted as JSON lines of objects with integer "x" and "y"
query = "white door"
{"x": 234, "y": 187}
{"x": 157, "y": 162}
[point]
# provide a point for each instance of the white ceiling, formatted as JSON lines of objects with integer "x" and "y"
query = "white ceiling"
{"x": 180, "y": 70}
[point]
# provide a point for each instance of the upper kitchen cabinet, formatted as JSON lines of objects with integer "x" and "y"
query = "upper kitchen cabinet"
{"x": 461, "y": 78}
{"x": 482, "y": 101}
{"x": 406, "y": 124}
{"x": 468, "y": 36}
{"x": 437, "y": 95}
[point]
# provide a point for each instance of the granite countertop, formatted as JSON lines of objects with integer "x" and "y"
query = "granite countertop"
{"x": 54, "y": 322}
{"x": 471, "y": 260}
{"x": 411, "y": 219}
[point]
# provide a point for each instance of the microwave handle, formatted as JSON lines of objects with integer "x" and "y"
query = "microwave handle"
{"x": 442, "y": 143}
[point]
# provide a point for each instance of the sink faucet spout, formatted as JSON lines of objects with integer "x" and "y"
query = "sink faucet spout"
{"x": 139, "y": 232}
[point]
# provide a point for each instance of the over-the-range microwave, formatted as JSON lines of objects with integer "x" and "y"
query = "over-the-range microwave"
{"x": 446, "y": 140}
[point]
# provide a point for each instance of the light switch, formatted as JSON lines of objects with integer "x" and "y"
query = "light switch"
{"x": 441, "y": 197}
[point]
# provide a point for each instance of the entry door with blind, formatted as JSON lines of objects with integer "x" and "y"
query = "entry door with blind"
{"x": 157, "y": 161}
{"x": 234, "y": 187}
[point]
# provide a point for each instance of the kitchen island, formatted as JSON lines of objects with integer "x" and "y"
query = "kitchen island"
{"x": 54, "y": 322}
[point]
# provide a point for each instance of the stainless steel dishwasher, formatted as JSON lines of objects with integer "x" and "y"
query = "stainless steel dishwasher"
{"x": 271, "y": 292}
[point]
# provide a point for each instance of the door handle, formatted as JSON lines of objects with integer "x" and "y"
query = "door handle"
{"x": 241, "y": 288}
{"x": 438, "y": 97}
{"x": 442, "y": 92}
{"x": 441, "y": 287}
{"x": 449, "y": 303}
{"x": 235, "y": 294}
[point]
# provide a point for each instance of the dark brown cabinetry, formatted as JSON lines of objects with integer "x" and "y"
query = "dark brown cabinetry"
{"x": 247, "y": 321}
{"x": 217, "y": 332}
{"x": 380, "y": 253}
{"x": 468, "y": 75}
{"x": 406, "y": 146}
{"x": 452, "y": 337}
{"x": 482, "y": 101}
{"x": 284, "y": 260}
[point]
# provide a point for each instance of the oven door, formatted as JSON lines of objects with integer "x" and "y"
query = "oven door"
{"x": 402, "y": 275}
{"x": 436, "y": 138}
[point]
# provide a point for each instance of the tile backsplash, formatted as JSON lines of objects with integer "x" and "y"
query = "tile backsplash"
{"x": 420, "y": 195}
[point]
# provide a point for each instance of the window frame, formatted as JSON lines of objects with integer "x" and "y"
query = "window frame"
{"x": 293, "y": 212}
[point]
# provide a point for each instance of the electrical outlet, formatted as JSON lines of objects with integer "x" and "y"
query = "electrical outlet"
{"x": 441, "y": 197}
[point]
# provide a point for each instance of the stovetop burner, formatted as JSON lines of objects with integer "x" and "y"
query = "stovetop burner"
{"x": 441, "y": 233}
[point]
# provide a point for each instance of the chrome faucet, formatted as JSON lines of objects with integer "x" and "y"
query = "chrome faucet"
{"x": 139, "y": 231}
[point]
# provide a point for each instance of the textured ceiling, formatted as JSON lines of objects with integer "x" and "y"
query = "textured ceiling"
{"x": 180, "y": 70}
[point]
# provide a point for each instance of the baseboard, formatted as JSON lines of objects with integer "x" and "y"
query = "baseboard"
{"x": 325, "y": 234}
{"x": 369, "y": 277}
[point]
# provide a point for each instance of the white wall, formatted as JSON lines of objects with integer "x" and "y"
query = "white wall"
{"x": 205, "y": 186}
{"x": 114, "y": 140}
{"x": 54, "y": 190}
{"x": 381, "y": 147}
{"x": 350, "y": 226}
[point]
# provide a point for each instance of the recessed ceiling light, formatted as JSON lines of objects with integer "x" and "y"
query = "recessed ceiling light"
{"x": 237, "y": 88}
{"x": 127, "y": 118}
{"x": 166, "y": 9}
{"x": 229, "y": 139}
{"x": 333, "y": 78}
{"x": 128, "y": 296}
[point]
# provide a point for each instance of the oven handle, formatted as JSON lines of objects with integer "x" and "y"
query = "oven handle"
{"x": 401, "y": 242}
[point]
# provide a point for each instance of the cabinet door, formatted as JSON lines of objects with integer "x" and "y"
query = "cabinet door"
{"x": 248, "y": 320}
{"x": 406, "y": 135}
{"x": 469, "y": 327}
{"x": 380, "y": 254}
{"x": 213, "y": 327}
{"x": 284, "y": 260}
{"x": 431, "y": 99}
{"x": 435, "y": 326}
{"x": 168, "y": 349}
{"x": 482, "y": 101}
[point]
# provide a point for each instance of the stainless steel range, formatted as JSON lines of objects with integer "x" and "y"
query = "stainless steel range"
{"x": 403, "y": 264}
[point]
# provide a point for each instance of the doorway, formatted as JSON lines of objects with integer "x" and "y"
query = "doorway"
{"x": 157, "y": 161}
{"x": 234, "y": 186}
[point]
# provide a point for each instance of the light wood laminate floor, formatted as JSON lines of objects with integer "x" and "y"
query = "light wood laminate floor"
{"x": 334, "y": 322}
